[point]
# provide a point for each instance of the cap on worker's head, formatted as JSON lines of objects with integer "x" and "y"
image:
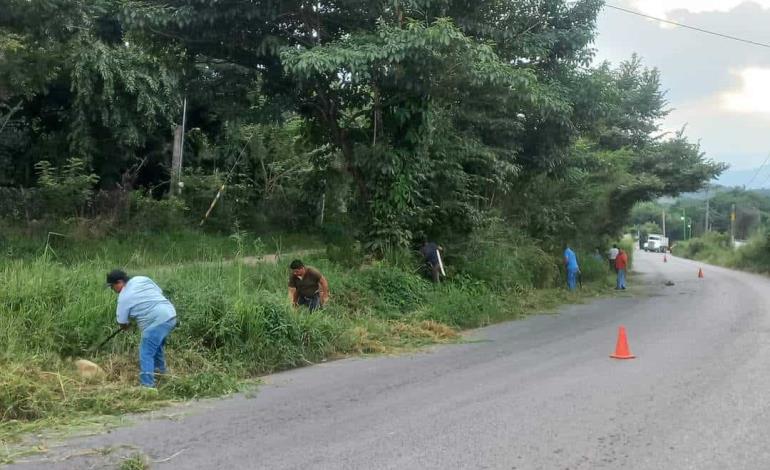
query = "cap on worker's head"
{"x": 115, "y": 276}
{"x": 296, "y": 264}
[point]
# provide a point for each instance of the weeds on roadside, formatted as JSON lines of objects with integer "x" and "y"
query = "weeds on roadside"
{"x": 135, "y": 462}
{"x": 235, "y": 321}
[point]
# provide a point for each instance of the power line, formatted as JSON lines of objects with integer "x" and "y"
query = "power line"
{"x": 756, "y": 173}
{"x": 681, "y": 25}
{"x": 762, "y": 186}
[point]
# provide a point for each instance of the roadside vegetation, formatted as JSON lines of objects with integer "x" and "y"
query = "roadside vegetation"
{"x": 715, "y": 248}
{"x": 342, "y": 134}
{"x": 236, "y": 322}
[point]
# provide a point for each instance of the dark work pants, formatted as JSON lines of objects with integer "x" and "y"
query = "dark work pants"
{"x": 435, "y": 269}
{"x": 313, "y": 302}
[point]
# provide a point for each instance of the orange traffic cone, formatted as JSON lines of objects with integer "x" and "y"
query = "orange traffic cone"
{"x": 700, "y": 273}
{"x": 621, "y": 349}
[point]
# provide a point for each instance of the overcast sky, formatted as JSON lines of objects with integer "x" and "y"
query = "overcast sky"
{"x": 719, "y": 88}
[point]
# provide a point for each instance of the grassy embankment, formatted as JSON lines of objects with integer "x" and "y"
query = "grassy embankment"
{"x": 714, "y": 248}
{"x": 235, "y": 319}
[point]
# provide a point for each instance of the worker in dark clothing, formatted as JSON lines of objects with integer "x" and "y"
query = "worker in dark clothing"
{"x": 430, "y": 252}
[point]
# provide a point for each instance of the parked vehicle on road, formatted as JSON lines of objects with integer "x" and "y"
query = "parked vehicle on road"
{"x": 656, "y": 243}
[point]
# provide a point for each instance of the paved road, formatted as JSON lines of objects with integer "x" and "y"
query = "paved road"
{"x": 535, "y": 394}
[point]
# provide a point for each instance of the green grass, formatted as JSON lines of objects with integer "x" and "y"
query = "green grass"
{"x": 135, "y": 462}
{"x": 714, "y": 248}
{"x": 143, "y": 249}
{"x": 235, "y": 320}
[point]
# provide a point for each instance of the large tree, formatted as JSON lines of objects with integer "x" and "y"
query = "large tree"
{"x": 414, "y": 115}
{"x": 83, "y": 89}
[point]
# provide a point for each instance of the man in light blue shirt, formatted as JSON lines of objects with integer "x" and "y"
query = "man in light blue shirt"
{"x": 571, "y": 263}
{"x": 140, "y": 299}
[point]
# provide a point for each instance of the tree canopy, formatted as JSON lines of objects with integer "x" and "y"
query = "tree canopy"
{"x": 394, "y": 118}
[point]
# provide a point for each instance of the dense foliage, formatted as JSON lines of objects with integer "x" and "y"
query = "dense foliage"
{"x": 391, "y": 118}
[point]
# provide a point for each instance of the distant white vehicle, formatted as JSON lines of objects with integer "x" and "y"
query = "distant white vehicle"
{"x": 656, "y": 243}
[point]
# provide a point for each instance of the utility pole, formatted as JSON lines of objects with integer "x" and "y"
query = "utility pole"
{"x": 732, "y": 226}
{"x": 706, "y": 218}
{"x": 684, "y": 225}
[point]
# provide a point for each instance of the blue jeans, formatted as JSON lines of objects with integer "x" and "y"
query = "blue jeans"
{"x": 151, "y": 355}
{"x": 572, "y": 279}
{"x": 621, "y": 284}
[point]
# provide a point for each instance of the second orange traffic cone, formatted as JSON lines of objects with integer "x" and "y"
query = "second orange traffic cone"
{"x": 622, "y": 350}
{"x": 700, "y": 273}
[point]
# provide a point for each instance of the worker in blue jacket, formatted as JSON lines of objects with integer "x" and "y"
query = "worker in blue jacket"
{"x": 571, "y": 264}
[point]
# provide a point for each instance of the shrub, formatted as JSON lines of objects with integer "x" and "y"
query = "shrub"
{"x": 592, "y": 268}
{"x": 341, "y": 246}
{"x": 67, "y": 191}
{"x": 155, "y": 215}
{"x": 396, "y": 292}
{"x": 713, "y": 247}
{"x": 466, "y": 304}
{"x": 505, "y": 260}
{"x": 755, "y": 255}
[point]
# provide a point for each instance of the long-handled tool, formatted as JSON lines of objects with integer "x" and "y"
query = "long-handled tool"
{"x": 114, "y": 333}
{"x": 440, "y": 263}
{"x": 90, "y": 369}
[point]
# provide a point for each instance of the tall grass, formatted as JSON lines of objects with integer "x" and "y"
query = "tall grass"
{"x": 714, "y": 248}
{"x": 235, "y": 320}
{"x": 142, "y": 249}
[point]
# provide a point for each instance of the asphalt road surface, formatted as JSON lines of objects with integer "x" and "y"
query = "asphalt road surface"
{"x": 541, "y": 393}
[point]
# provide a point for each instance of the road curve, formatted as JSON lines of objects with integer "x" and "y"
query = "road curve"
{"x": 541, "y": 393}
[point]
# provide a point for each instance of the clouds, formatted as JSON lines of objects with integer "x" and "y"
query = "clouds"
{"x": 663, "y": 7}
{"x": 753, "y": 96}
{"x": 719, "y": 88}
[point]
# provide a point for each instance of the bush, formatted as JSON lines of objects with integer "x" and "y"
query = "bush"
{"x": 66, "y": 191}
{"x": 236, "y": 202}
{"x": 156, "y": 215}
{"x": 713, "y": 247}
{"x": 755, "y": 255}
{"x": 467, "y": 304}
{"x": 592, "y": 268}
{"x": 341, "y": 246}
{"x": 396, "y": 292}
{"x": 505, "y": 260}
